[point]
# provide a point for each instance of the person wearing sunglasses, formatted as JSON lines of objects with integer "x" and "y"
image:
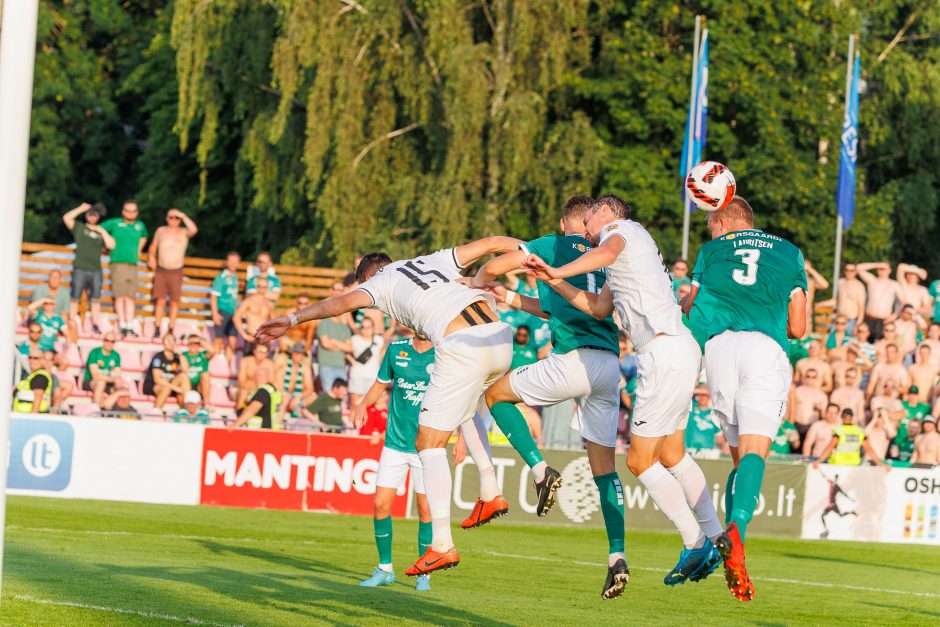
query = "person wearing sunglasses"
{"x": 103, "y": 370}
{"x": 166, "y": 257}
{"x": 130, "y": 236}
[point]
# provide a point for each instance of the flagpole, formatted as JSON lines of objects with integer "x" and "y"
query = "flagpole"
{"x": 17, "y": 57}
{"x": 837, "y": 258}
{"x": 688, "y": 159}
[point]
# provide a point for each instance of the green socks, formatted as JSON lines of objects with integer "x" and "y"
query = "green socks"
{"x": 424, "y": 537}
{"x": 612, "y": 508}
{"x": 513, "y": 425}
{"x": 383, "y": 538}
{"x": 729, "y": 495}
{"x": 747, "y": 490}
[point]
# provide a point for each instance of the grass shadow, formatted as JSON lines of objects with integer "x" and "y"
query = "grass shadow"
{"x": 840, "y": 560}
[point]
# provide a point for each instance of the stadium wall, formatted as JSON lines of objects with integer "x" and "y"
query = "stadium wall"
{"x": 181, "y": 464}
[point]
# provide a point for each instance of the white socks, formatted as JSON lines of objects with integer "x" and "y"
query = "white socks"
{"x": 692, "y": 479}
{"x": 474, "y": 434}
{"x": 613, "y": 557}
{"x": 437, "y": 484}
{"x": 387, "y": 568}
{"x": 669, "y": 497}
{"x": 539, "y": 470}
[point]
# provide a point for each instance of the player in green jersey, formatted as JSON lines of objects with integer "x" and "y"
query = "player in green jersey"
{"x": 748, "y": 296}
{"x": 583, "y": 365}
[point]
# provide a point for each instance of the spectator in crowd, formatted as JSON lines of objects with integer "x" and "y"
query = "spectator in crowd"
{"x": 815, "y": 360}
{"x": 34, "y": 334}
{"x": 927, "y": 445}
{"x": 838, "y": 340}
{"x": 305, "y": 332}
{"x": 192, "y": 409}
{"x": 223, "y": 300}
{"x": 252, "y": 312}
{"x": 902, "y": 448}
{"x": 787, "y": 440}
{"x": 890, "y": 400}
{"x": 376, "y": 420}
{"x": 679, "y": 275}
{"x": 34, "y": 392}
{"x": 910, "y": 328}
{"x": 296, "y": 378}
{"x": 847, "y": 443}
{"x": 890, "y": 369}
{"x": 52, "y": 325}
{"x": 62, "y": 381}
{"x": 130, "y": 236}
{"x": 882, "y": 292}
{"x": 248, "y": 369}
{"x": 327, "y": 411}
{"x": 627, "y": 356}
{"x": 924, "y": 374}
{"x": 702, "y": 432}
{"x": 118, "y": 405}
{"x": 356, "y": 317}
{"x": 935, "y": 295}
{"x": 820, "y": 433}
{"x": 261, "y": 403}
{"x": 862, "y": 353}
{"x": 889, "y": 336}
{"x": 103, "y": 370}
{"x": 90, "y": 242}
{"x": 933, "y": 341}
{"x": 53, "y": 289}
{"x": 849, "y": 395}
{"x": 814, "y": 282}
{"x": 166, "y": 258}
{"x": 166, "y": 374}
{"x": 196, "y": 358}
{"x": 523, "y": 352}
{"x": 913, "y": 293}
{"x": 807, "y": 402}
{"x": 333, "y": 337}
{"x": 264, "y": 268}
{"x": 880, "y": 431}
{"x": 850, "y": 301}
{"x": 913, "y": 407}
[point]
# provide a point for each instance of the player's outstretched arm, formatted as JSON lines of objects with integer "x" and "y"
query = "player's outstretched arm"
{"x": 328, "y": 308}
{"x": 594, "y": 259}
{"x": 597, "y": 305}
{"x": 468, "y": 254}
{"x": 498, "y": 266}
{"x": 796, "y": 314}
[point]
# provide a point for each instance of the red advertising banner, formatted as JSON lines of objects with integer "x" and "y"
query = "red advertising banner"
{"x": 297, "y": 471}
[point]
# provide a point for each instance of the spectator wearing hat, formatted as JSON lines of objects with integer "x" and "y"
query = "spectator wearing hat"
{"x": 90, "y": 241}
{"x": 192, "y": 409}
{"x": 118, "y": 405}
{"x": 295, "y": 377}
{"x": 847, "y": 443}
{"x": 913, "y": 408}
{"x": 927, "y": 445}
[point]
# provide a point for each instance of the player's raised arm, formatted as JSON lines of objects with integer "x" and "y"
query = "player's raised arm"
{"x": 498, "y": 266}
{"x": 594, "y": 259}
{"x": 597, "y": 305}
{"x": 276, "y": 327}
{"x": 468, "y": 254}
{"x": 796, "y": 314}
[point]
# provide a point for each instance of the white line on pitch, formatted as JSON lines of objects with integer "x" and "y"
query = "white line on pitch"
{"x": 189, "y": 620}
{"x": 817, "y": 584}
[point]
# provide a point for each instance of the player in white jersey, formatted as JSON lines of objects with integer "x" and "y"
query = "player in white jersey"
{"x": 472, "y": 350}
{"x": 668, "y": 362}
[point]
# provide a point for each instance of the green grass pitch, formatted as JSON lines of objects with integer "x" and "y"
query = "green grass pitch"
{"x": 104, "y": 563}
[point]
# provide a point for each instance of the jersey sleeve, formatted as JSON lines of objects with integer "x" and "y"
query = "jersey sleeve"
{"x": 385, "y": 368}
{"x": 446, "y": 258}
{"x": 544, "y": 247}
{"x": 217, "y": 285}
{"x": 376, "y": 288}
{"x": 612, "y": 229}
{"x": 699, "y": 268}
{"x": 799, "y": 278}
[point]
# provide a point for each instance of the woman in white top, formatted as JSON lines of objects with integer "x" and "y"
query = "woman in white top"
{"x": 367, "y": 351}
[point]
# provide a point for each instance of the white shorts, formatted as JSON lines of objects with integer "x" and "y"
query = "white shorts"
{"x": 393, "y": 468}
{"x": 466, "y": 363}
{"x": 590, "y": 376}
{"x": 667, "y": 371}
{"x": 749, "y": 380}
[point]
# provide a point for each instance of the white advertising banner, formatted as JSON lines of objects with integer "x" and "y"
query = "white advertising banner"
{"x": 118, "y": 460}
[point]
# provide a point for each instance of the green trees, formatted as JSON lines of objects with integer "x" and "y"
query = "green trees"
{"x": 323, "y": 129}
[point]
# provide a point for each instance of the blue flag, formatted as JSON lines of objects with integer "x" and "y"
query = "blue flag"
{"x": 697, "y": 118}
{"x": 845, "y": 191}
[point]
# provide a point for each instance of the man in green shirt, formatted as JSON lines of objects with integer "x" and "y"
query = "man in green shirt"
{"x": 787, "y": 439}
{"x": 583, "y": 365}
{"x": 333, "y": 339}
{"x": 90, "y": 242}
{"x": 197, "y": 356}
{"x": 223, "y": 301}
{"x": 103, "y": 370}
{"x": 914, "y": 409}
{"x": 130, "y": 236}
{"x": 702, "y": 429}
{"x": 327, "y": 410}
{"x": 523, "y": 354}
{"x": 748, "y": 297}
{"x": 406, "y": 366}
{"x": 51, "y": 323}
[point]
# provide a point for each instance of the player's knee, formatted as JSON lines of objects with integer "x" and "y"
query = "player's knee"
{"x": 638, "y": 464}
{"x": 382, "y": 507}
{"x": 670, "y": 458}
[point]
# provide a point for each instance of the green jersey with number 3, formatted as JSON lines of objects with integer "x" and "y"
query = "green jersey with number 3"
{"x": 571, "y": 328}
{"x": 745, "y": 279}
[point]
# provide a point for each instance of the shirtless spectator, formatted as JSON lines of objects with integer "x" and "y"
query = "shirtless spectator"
{"x": 880, "y": 431}
{"x": 252, "y": 312}
{"x": 933, "y": 341}
{"x": 890, "y": 401}
{"x": 850, "y": 300}
{"x": 820, "y": 433}
{"x": 923, "y": 375}
{"x": 305, "y": 332}
{"x": 882, "y": 292}
{"x": 247, "y": 369}
{"x": 814, "y": 281}
{"x": 807, "y": 402}
{"x": 166, "y": 257}
{"x": 166, "y": 374}
{"x": 850, "y": 395}
{"x": 891, "y": 369}
{"x": 927, "y": 444}
{"x": 908, "y": 325}
{"x": 263, "y": 268}
{"x": 912, "y": 292}
{"x": 890, "y": 337}
{"x": 838, "y": 339}
{"x": 816, "y": 362}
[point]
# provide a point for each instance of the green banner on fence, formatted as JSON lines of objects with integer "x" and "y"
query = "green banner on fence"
{"x": 779, "y": 513}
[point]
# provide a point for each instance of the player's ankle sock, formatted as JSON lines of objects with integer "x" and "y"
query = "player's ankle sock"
{"x": 437, "y": 483}
{"x": 474, "y": 434}
{"x": 383, "y": 538}
{"x": 613, "y": 557}
{"x": 424, "y": 536}
{"x": 539, "y": 471}
{"x": 747, "y": 491}
{"x": 612, "y": 508}
{"x": 387, "y": 567}
{"x": 729, "y": 495}
{"x": 668, "y": 496}
{"x": 516, "y": 429}
{"x": 692, "y": 479}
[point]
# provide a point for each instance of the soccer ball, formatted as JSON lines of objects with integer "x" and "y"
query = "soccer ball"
{"x": 711, "y": 185}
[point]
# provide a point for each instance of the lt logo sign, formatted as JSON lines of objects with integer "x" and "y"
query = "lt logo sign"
{"x": 40, "y": 454}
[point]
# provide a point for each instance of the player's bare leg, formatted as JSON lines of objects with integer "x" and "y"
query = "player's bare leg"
{"x": 604, "y": 469}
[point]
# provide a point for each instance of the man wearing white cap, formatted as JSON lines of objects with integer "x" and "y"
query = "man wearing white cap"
{"x": 192, "y": 409}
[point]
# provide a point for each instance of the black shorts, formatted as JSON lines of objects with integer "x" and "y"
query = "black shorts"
{"x": 226, "y": 329}
{"x": 86, "y": 385}
{"x": 85, "y": 281}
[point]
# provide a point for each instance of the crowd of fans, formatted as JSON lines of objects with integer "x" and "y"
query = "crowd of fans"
{"x": 872, "y": 376}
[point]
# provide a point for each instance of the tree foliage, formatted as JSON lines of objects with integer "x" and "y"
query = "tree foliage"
{"x": 322, "y": 129}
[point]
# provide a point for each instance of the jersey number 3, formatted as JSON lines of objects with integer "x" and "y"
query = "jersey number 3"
{"x": 413, "y": 272}
{"x": 749, "y": 257}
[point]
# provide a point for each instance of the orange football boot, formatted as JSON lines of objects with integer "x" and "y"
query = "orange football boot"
{"x": 731, "y": 549}
{"x": 485, "y": 511}
{"x": 433, "y": 560}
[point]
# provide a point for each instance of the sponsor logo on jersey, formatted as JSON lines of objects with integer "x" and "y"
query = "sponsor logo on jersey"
{"x": 610, "y": 228}
{"x": 403, "y": 354}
